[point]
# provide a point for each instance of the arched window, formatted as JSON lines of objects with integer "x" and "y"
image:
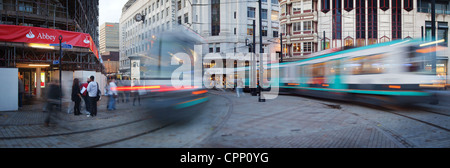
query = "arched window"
{"x": 348, "y": 41}
{"x": 384, "y": 39}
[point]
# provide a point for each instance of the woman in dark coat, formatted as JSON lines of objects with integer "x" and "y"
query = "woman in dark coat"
{"x": 76, "y": 96}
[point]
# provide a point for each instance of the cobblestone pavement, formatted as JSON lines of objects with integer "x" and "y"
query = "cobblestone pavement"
{"x": 227, "y": 121}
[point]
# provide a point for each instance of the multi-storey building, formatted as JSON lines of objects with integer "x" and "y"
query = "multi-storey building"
{"x": 29, "y": 45}
{"x": 365, "y": 22}
{"x": 109, "y": 37}
{"x": 225, "y": 25}
{"x": 299, "y": 28}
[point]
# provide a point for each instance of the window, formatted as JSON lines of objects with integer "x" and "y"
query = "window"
{"x": 264, "y": 14}
{"x": 307, "y": 26}
{"x": 179, "y": 5}
{"x": 325, "y": 6}
{"x": 307, "y": 47}
{"x": 360, "y": 21}
{"x": 366, "y": 65}
{"x": 348, "y": 5}
{"x": 235, "y": 14}
{"x": 274, "y": 15}
{"x": 215, "y": 17}
{"x": 372, "y": 21}
{"x": 275, "y": 33}
{"x": 249, "y": 29}
{"x": 275, "y": 2}
{"x": 442, "y": 33}
{"x": 396, "y": 19}
{"x": 307, "y": 6}
{"x": 283, "y": 9}
{"x": 217, "y": 48}
{"x": 264, "y": 31}
{"x": 337, "y": 20}
{"x": 250, "y": 12}
{"x": 26, "y": 7}
{"x": 179, "y": 19}
{"x": 408, "y": 5}
{"x": 296, "y": 47}
{"x": 211, "y": 48}
{"x": 384, "y": 5}
{"x": 318, "y": 73}
{"x": 296, "y": 26}
{"x": 348, "y": 41}
{"x": 186, "y": 18}
{"x": 296, "y": 7}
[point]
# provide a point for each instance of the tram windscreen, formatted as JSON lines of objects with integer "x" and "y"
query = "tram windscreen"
{"x": 419, "y": 60}
{"x": 162, "y": 48}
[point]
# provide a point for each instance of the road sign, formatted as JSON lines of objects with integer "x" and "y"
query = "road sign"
{"x": 56, "y": 62}
{"x": 68, "y": 46}
{"x": 63, "y": 45}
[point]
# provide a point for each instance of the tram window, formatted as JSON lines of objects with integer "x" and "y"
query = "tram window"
{"x": 366, "y": 65}
{"x": 418, "y": 60}
{"x": 318, "y": 70}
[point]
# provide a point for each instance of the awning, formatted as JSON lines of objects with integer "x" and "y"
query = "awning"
{"x": 26, "y": 34}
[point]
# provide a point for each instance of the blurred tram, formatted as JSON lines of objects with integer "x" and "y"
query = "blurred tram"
{"x": 151, "y": 76}
{"x": 379, "y": 74}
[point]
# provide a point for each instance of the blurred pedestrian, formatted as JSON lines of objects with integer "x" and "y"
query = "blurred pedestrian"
{"x": 120, "y": 93}
{"x": 85, "y": 95}
{"x": 112, "y": 94}
{"x": 53, "y": 101}
{"x": 239, "y": 87}
{"x": 21, "y": 90}
{"x": 92, "y": 90}
{"x": 135, "y": 92}
{"x": 76, "y": 96}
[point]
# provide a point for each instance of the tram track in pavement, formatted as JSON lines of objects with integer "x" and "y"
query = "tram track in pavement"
{"x": 216, "y": 127}
{"x": 419, "y": 120}
{"x": 77, "y": 132}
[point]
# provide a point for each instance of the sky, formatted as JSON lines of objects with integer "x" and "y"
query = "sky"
{"x": 110, "y": 10}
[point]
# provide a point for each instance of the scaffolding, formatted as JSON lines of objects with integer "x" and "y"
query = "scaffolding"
{"x": 69, "y": 15}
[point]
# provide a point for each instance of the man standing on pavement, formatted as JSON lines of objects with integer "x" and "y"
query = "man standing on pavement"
{"x": 92, "y": 93}
{"x": 85, "y": 94}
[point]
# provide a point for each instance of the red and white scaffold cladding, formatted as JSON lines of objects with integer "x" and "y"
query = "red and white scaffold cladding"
{"x": 26, "y": 34}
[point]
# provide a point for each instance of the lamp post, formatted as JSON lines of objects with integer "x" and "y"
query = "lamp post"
{"x": 60, "y": 81}
{"x": 261, "y": 69}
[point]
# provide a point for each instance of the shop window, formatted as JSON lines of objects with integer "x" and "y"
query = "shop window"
{"x": 348, "y": 41}
{"x": 307, "y": 47}
{"x": 296, "y": 47}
